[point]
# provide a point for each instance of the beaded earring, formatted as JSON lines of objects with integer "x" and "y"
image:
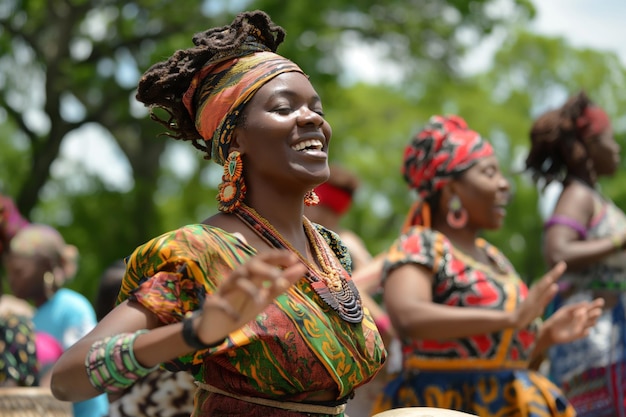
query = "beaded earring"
{"x": 232, "y": 190}
{"x": 311, "y": 199}
{"x": 457, "y": 215}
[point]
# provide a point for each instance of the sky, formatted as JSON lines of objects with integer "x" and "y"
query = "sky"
{"x": 581, "y": 22}
{"x": 596, "y": 24}
{"x": 585, "y": 23}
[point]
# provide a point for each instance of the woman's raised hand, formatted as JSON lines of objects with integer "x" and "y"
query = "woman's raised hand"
{"x": 572, "y": 321}
{"x": 539, "y": 295}
{"x": 249, "y": 289}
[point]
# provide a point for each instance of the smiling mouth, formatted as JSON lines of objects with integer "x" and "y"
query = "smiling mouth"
{"x": 307, "y": 145}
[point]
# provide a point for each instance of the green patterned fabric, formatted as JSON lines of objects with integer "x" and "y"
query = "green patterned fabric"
{"x": 297, "y": 348}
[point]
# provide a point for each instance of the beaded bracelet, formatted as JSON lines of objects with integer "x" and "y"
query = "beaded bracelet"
{"x": 190, "y": 335}
{"x": 111, "y": 363}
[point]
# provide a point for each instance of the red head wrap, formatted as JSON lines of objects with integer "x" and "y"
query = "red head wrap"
{"x": 443, "y": 148}
{"x": 333, "y": 197}
{"x": 218, "y": 93}
{"x": 592, "y": 122}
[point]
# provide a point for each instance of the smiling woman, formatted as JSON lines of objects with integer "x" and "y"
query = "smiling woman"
{"x": 466, "y": 320}
{"x": 256, "y": 302}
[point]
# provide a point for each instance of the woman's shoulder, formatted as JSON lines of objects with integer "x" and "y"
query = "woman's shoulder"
{"x": 188, "y": 240}
{"x": 577, "y": 200}
{"x": 425, "y": 235}
{"x": 191, "y": 250}
{"x": 421, "y": 245}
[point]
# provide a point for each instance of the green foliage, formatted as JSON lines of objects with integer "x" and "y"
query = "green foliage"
{"x": 91, "y": 53}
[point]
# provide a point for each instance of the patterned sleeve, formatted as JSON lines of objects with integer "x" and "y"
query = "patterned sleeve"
{"x": 171, "y": 274}
{"x": 420, "y": 246}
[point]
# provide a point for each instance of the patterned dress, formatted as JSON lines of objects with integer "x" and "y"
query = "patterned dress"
{"x": 296, "y": 348}
{"x": 592, "y": 371}
{"x": 18, "y": 360}
{"x": 485, "y": 374}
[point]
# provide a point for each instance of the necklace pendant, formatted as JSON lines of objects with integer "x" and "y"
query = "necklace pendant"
{"x": 335, "y": 290}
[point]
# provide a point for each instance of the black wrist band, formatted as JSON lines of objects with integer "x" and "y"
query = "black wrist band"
{"x": 191, "y": 337}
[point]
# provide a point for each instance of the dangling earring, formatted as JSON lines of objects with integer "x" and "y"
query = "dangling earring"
{"x": 457, "y": 215}
{"x": 48, "y": 284}
{"x": 232, "y": 190}
{"x": 311, "y": 199}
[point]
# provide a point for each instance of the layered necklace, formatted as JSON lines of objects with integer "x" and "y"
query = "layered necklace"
{"x": 330, "y": 281}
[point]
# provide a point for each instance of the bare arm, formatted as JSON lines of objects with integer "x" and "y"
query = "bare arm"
{"x": 409, "y": 302}
{"x": 247, "y": 292}
{"x": 367, "y": 278}
{"x": 562, "y": 243}
{"x": 69, "y": 377}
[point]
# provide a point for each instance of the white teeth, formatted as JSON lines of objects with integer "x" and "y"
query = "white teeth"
{"x": 313, "y": 144}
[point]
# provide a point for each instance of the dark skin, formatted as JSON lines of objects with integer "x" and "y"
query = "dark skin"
{"x": 25, "y": 277}
{"x": 283, "y": 113}
{"x": 576, "y": 202}
{"x": 563, "y": 243}
{"x": 484, "y": 193}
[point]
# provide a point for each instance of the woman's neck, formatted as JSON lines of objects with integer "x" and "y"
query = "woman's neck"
{"x": 463, "y": 238}
{"x": 284, "y": 214}
{"x": 586, "y": 179}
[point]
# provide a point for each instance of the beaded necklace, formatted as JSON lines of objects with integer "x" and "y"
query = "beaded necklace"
{"x": 329, "y": 282}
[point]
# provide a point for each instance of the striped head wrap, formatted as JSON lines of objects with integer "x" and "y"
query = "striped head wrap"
{"x": 220, "y": 90}
{"x": 444, "y": 148}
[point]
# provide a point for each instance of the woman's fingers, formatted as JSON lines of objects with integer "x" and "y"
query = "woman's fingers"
{"x": 547, "y": 288}
{"x": 260, "y": 280}
{"x": 248, "y": 291}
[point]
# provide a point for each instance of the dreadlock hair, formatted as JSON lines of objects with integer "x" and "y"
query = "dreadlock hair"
{"x": 557, "y": 146}
{"x": 164, "y": 83}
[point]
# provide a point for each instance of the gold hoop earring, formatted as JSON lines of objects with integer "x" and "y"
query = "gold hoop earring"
{"x": 232, "y": 190}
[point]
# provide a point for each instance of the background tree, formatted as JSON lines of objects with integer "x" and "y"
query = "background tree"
{"x": 69, "y": 68}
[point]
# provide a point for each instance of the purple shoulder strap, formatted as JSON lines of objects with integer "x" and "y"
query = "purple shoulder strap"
{"x": 566, "y": 221}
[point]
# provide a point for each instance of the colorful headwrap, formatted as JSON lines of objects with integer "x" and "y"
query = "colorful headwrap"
{"x": 218, "y": 93}
{"x": 444, "y": 148}
{"x": 592, "y": 122}
{"x": 335, "y": 198}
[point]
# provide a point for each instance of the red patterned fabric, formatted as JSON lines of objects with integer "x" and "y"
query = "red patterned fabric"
{"x": 443, "y": 148}
{"x": 486, "y": 375}
{"x": 460, "y": 281}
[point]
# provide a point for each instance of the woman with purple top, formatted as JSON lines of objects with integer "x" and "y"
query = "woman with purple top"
{"x": 574, "y": 145}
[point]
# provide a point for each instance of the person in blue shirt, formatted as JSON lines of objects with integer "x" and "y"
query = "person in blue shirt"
{"x": 38, "y": 264}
